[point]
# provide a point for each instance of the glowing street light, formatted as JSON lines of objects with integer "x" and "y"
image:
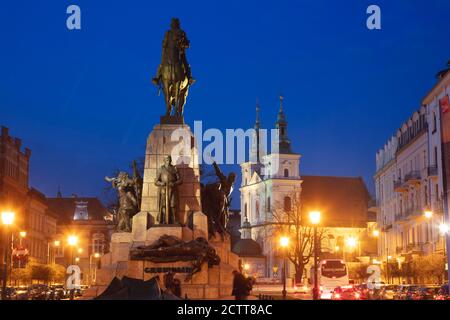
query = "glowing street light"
{"x": 284, "y": 242}
{"x": 23, "y": 234}
{"x": 428, "y": 214}
{"x": 314, "y": 217}
{"x": 443, "y": 228}
{"x": 8, "y": 218}
{"x": 72, "y": 240}
{"x": 7, "y": 221}
{"x": 57, "y": 243}
{"x": 376, "y": 233}
{"x": 96, "y": 255}
{"x": 351, "y": 242}
{"x": 80, "y": 250}
{"x": 77, "y": 259}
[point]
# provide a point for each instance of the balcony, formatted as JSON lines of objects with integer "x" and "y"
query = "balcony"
{"x": 432, "y": 171}
{"x": 400, "y": 186}
{"x": 416, "y": 247}
{"x": 413, "y": 177}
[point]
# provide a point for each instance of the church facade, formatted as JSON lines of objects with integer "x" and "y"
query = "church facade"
{"x": 272, "y": 186}
{"x": 267, "y": 184}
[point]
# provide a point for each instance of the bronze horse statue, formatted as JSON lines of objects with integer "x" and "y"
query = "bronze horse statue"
{"x": 174, "y": 72}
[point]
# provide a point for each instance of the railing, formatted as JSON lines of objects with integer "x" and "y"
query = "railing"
{"x": 399, "y": 185}
{"x": 413, "y": 175}
{"x": 432, "y": 170}
{"x": 417, "y": 246}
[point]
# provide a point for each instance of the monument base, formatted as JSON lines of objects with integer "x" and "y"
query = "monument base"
{"x": 209, "y": 283}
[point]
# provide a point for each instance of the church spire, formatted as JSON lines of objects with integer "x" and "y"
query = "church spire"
{"x": 257, "y": 121}
{"x": 281, "y": 125}
{"x": 257, "y": 127}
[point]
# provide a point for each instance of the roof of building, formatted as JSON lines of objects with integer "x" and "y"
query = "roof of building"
{"x": 342, "y": 201}
{"x": 247, "y": 248}
{"x": 65, "y": 208}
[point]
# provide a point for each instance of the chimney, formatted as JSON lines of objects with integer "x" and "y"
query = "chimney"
{"x": 18, "y": 143}
{"x": 5, "y": 132}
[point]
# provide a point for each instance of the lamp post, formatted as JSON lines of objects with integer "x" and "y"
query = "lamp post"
{"x": 443, "y": 230}
{"x": 284, "y": 243}
{"x": 7, "y": 221}
{"x": 93, "y": 275}
{"x": 22, "y": 235}
{"x": 56, "y": 244}
{"x": 72, "y": 240}
{"x": 314, "y": 216}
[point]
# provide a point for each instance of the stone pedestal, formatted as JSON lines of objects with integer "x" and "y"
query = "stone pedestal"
{"x": 157, "y": 232}
{"x": 200, "y": 225}
{"x": 120, "y": 246}
{"x": 176, "y": 140}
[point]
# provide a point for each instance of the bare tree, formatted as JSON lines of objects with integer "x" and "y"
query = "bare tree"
{"x": 290, "y": 220}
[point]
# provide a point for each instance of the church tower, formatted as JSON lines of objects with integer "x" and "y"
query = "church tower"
{"x": 281, "y": 125}
{"x": 268, "y": 188}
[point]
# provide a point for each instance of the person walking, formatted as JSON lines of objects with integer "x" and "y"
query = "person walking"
{"x": 240, "y": 286}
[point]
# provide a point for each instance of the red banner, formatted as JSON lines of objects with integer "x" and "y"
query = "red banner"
{"x": 444, "y": 106}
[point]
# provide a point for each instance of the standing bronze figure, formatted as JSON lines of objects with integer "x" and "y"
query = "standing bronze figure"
{"x": 129, "y": 201}
{"x": 216, "y": 202}
{"x": 174, "y": 72}
{"x": 167, "y": 180}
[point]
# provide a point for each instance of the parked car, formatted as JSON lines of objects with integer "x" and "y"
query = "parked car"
{"x": 443, "y": 293}
{"x": 363, "y": 290}
{"x": 10, "y": 293}
{"x": 426, "y": 293}
{"x": 345, "y": 293}
{"x": 22, "y": 293}
{"x": 388, "y": 292}
{"x": 400, "y": 294}
{"x": 411, "y": 292}
{"x": 58, "y": 292}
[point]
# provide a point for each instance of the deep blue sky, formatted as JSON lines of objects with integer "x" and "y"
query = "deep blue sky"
{"x": 83, "y": 102}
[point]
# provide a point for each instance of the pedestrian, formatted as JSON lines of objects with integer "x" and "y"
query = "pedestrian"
{"x": 240, "y": 286}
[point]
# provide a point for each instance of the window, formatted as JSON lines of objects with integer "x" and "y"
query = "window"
{"x": 287, "y": 204}
{"x": 245, "y": 210}
{"x": 268, "y": 204}
{"x": 286, "y": 173}
{"x": 434, "y": 122}
{"x": 257, "y": 210}
{"x": 98, "y": 243}
{"x": 435, "y": 156}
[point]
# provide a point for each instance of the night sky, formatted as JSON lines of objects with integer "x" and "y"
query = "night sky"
{"x": 82, "y": 100}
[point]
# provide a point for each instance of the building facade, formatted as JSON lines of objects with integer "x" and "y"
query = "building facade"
{"x": 409, "y": 185}
{"x": 28, "y": 204}
{"x": 87, "y": 220}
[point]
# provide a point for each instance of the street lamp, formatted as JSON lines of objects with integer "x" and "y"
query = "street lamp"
{"x": 72, "y": 240}
{"x": 443, "y": 230}
{"x": 428, "y": 213}
{"x": 284, "y": 243}
{"x": 314, "y": 217}
{"x": 7, "y": 221}
{"x": 93, "y": 275}
{"x": 376, "y": 233}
